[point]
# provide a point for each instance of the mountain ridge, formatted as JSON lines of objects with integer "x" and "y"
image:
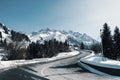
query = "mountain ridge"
{"x": 11, "y": 35}
{"x": 73, "y": 38}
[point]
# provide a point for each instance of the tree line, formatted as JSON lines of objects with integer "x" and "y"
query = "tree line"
{"x": 15, "y": 50}
{"x": 48, "y": 49}
{"x": 17, "y": 36}
{"x": 110, "y": 43}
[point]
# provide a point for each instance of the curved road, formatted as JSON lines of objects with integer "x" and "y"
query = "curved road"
{"x": 64, "y": 69}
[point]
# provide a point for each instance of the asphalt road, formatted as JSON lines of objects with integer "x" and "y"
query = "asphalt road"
{"x": 65, "y": 69}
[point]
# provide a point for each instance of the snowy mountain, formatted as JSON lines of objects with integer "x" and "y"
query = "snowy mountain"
{"x": 5, "y": 33}
{"x": 73, "y": 38}
{"x": 11, "y": 35}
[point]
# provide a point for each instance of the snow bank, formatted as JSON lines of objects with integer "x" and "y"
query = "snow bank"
{"x": 99, "y": 60}
{"x": 65, "y": 54}
{"x": 6, "y": 64}
{"x": 96, "y": 63}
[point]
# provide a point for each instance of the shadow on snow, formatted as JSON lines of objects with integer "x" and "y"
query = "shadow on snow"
{"x": 20, "y": 74}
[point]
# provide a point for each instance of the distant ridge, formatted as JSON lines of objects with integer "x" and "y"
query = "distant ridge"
{"x": 73, "y": 38}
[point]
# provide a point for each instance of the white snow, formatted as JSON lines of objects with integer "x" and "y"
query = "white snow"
{"x": 3, "y": 33}
{"x": 99, "y": 60}
{"x": 64, "y": 54}
{"x": 6, "y": 64}
{"x": 43, "y": 35}
{"x": 62, "y": 36}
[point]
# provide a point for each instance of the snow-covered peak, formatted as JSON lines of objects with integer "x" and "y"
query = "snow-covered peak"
{"x": 5, "y": 32}
{"x": 73, "y": 38}
{"x": 10, "y": 35}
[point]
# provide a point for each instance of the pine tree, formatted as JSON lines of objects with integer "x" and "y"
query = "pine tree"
{"x": 31, "y": 50}
{"x": 107, "y": 42}
{"x": 16, "y": 36}
{"x": 82, "y": 46}
{"x": 116, "y": 38}
{"x": 48, "y": 49}
{"x": 96, "y": 48}
{"x": 6, "y": 30}
{"x": 0, "y": 35}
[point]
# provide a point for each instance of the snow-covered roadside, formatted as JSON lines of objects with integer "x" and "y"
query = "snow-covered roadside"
{"x": 92, "y": 60}
{"x": 15, "y": 63}
{"x": 6, "y": 64}
{"x": 99, "y": 60}
{"x": 64, "y": 55}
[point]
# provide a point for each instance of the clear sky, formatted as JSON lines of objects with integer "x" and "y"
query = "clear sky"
{"x": 84, "y": 16}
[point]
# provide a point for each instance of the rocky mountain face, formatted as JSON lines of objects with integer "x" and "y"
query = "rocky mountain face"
{"x": 11, "y": 35}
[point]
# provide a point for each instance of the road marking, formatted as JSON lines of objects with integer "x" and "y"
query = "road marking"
{"x": 43, "y": 69}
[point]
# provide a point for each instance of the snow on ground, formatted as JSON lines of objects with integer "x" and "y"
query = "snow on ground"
{"x": 98, "y": 59}
{"x": 67, "y": 54}
{"x": 6, "y": 64}
{"x": 15, "y": 63}
{"x": 64, "y": 54}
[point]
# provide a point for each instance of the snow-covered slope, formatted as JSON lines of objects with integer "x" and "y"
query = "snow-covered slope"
{"x": 11, "y": 35}
{"x": 4, "y": 33}
{"x": 73, "y": 38}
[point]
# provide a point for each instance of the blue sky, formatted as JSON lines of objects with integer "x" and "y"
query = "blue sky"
{"x": 84, "y": 16}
